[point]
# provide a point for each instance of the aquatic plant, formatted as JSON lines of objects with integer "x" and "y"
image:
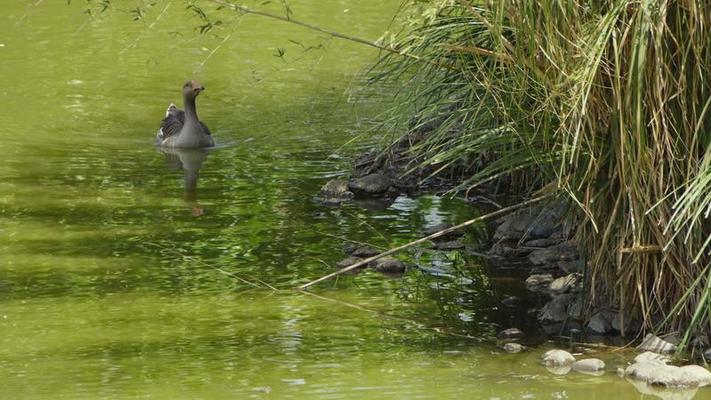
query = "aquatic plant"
{"x": 604, "y": 102}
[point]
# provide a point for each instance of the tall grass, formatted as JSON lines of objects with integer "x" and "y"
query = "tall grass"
{"x": 608, "y": 102}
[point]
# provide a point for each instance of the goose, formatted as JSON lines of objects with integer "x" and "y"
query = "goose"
{"x": 183, "y": 128}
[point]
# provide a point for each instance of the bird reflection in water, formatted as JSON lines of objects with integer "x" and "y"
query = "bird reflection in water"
{"x": 190, "y": 161}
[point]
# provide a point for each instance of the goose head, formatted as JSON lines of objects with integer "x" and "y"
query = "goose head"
{"x": 192, "y": 89}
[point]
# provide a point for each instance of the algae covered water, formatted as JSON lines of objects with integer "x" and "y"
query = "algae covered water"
{"x": 128, "y": 272}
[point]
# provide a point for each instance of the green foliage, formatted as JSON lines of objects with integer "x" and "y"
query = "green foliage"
{"x": 604, "y": 101}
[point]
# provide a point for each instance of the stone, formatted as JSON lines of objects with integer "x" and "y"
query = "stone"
{"x": 565, "y": 251}
{"x": 592, "y": 366}
{"x": 539, "y": 283}
{"x": 656, "y": 344}
{"x": 369, "y": 185}
{"x": 348, "y": 261}
{"x": 555, "y": 310}
{"x": 569, "y": 266}
{"x": 446, "y": 237}
{"x": 507, "y": 250}
{"x": 649, "y": 356}
{"x": 546, "y": 242}
{"x": 599, "y": 324}
{"x": 697, "y": 373}
{"x": 510, "y": 301}
{"x": 564, "y": 370}
{"x": 565, "y": 284}
{"x": 364, "y": 252}
{"x": 707, "y": 354}
{"x": 659, "y": 374}
{"x": 451, "y": 245}
{"x": 534, "y": 222}
{"x": 631, "y": 325}
{"x": 389, "y": 265}
{"x": 511, "y": 333}
{"x": 513, "y": 348}
{"x": 557, "y": 358}
{"x": 335, "y": 191}
{"x": 656, "y": 392}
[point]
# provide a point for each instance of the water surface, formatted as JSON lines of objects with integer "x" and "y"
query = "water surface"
{"x": 128, "y": 272}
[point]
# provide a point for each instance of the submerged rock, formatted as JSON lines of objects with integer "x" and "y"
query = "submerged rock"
{"x": 364, "y": 252}
{"x": 513, "y": 348}
{"x": 656, "y": 344}
{"x": 592, "y": 366}
{"x": 451, "y": 245}
{"x": 335, "y": 191}
{"x": 389, "y": 265}
{"x": 372, "y": 185}
{"x": 446, "y": 237}
{"x": 348, "y": 261}
{"x": 557, "y": 358}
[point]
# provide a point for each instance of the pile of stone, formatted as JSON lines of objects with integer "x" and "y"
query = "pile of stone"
{"x": 539, "y": 235}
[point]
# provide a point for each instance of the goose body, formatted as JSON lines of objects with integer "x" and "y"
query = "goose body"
{"x": 183, "y": 128}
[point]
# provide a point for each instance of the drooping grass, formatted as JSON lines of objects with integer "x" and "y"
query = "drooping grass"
{"x": 607, "y": 101}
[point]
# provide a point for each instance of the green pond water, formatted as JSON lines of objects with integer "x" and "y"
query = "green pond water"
{"x": 126, "y": 274}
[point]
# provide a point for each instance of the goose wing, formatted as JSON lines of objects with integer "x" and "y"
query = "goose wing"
{"x": 173, "y": 123}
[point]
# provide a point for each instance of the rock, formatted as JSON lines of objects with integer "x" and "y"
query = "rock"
{"x": 446, "y": 246}
{"x": 364, "y": 252}
{"x": 631, "y": 325}
{"x": 389, "y": 265}
{"x": 370, "y": 185}
{"x": 657, "y": 373}
{"x": 557, "y": 358}
{"x": 599, "y": 324}
{"x": 589, "y": 366}
{"x": 447, "y": 237}
{"x": 506, "y": 250}
{"x": 565, "y": 284}
{"x": 564, "y": 370}
{"x": 566, "y": 251}
{"x": 663, "y": 393}
{"x": 569, "y": 266}
{"x": 539, "y": 283}
{"x": 513, "y": 347}
{"x": 707, "y": 354}
{"x": 346, "y": 262}
{"x": 556, "y": 309}
{"x": 697, "y": 373}
{"x": 534, "y": 222}
{"x": 649, "y": 356}
{"x": 510, "y": 301}
{"x": 511, "y": 333}
{"x": 335, "y": 191}
{"x": 656, "y": 344}
{"x": 546, "y": 242}
{"x": 575, "y": 308}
